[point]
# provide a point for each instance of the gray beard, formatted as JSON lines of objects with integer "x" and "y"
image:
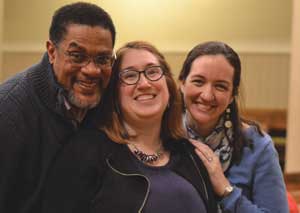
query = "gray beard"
{"x": 77, "y": 102}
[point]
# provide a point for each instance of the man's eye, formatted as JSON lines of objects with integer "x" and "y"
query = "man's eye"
{"x": 77, "y": 57}
{"x": 103, "y": 59}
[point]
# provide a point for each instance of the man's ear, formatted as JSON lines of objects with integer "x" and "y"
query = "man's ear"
{"x": 51, "y": 50}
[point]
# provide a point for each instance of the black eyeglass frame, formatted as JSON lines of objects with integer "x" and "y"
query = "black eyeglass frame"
{"x": 87, "y": 59}
{"x": 139, "y": 74}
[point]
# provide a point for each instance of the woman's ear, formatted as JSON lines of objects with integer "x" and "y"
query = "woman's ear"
{"x": 231, "y": 99}
{"x": 181, "y": 87}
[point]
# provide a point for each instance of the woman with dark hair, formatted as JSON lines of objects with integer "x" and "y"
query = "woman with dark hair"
{"x": 241, "y": 159}
{"x": 140, "y": 161}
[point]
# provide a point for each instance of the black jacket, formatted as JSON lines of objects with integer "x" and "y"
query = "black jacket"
{"x": 33, "y": 127}
{"x": 94, "y": 174}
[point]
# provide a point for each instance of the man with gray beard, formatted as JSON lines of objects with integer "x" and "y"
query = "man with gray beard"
{"x": 41, "y": 107}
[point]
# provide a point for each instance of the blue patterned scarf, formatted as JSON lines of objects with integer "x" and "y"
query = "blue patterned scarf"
{"x": 217, "y": 140}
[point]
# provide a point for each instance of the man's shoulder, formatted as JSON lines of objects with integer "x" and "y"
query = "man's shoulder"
{"x": 18, "y": 96}
{"x": 15, "y": 90}
{"x": 21, "y": 83}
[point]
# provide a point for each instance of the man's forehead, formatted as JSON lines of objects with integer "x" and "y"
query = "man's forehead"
{"x": 81, "y": 47}
{"x": 80, "y": 36}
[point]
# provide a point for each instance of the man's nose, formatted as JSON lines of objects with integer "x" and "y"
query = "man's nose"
{"x": 91, "y": 69}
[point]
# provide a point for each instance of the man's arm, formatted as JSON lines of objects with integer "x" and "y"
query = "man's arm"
{"x": 11, "y": 144}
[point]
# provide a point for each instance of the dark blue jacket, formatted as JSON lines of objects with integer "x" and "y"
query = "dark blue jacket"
{"x": 33, "y": 127}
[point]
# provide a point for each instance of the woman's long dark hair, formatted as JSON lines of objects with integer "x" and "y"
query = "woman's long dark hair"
{"x": 220, "y": 48}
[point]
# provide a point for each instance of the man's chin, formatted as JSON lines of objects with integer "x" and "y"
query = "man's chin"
{"x": 84, "y": 103}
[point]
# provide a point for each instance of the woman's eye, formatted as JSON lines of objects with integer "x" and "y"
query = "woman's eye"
{"x": 198, "y": 82}
{"x": 152, "y": 72}
{"x": 222, "y": 87}
{"x": 130, "y": 75}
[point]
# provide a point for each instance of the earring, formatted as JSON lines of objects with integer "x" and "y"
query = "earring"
{"x": 227, "y": 123}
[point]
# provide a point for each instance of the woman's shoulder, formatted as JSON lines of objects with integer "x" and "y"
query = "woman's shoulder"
{"x": 260, "y": 141}
{"x": 178, "y": 144}
{"x": 260, "y": 152}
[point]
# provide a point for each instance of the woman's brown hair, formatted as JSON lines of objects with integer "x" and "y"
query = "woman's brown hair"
{"x": 112, "y": 122}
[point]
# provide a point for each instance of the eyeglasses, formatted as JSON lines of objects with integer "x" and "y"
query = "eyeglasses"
{"x": 131, "y": 77}
{"x": 82, "y": 60}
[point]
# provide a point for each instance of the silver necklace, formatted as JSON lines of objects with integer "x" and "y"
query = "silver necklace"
{"x": 146, "y": 158}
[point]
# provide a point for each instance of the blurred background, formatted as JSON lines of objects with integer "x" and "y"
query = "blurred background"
{"x": 259, "y": 30}
{"x": 264, "y": 33}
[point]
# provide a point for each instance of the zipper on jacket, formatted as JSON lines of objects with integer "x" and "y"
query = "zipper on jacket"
{"x": 202, "y": 179}
{"x": 128, "y": 175}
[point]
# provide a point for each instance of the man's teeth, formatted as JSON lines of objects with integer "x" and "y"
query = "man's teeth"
{"x": 87, "y": 84}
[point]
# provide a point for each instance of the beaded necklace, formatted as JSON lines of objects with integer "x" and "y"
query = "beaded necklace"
{"x": 147, "y": 158}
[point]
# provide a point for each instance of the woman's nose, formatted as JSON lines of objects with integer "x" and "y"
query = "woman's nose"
{"x": 143, "y": 81}
{"x": 207, "y": 93}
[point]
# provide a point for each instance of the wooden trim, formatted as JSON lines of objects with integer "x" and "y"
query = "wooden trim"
{"x": 292, "y": 177}
{"x": 268, "y": 118}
